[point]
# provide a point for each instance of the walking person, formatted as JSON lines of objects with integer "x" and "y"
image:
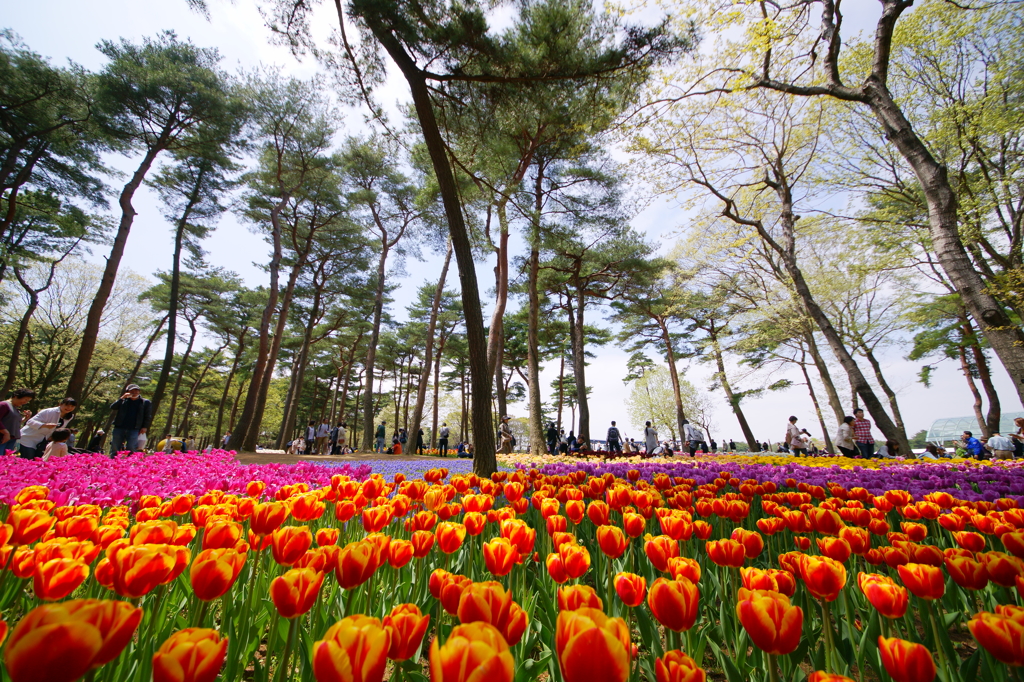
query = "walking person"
{"x": 844, "y": 438}
{"x": 311, "y": 438}
{"x": 225, "y": 440}
{"x": 12, "y": 417}
{"x": 505, "y": 436}
{"x": 862, "y": 434}
{"x": 732, "y": 445}
{"x": 381, "y": 434}
{"x": 132, "y": 419}
{"x": 693, "y": 438}
{"x": 614, "y": 439}
{"x": 323, "y": 435}
{"x": 442, "y": 442}
{"x": 1000, "y": 446}
{"x": 650, "y": 438}
{"x": 403, "y": 440}
{"x": 419, "y": 442}
{"x": 341, "y": 439}
{"x": 41, "y": 427}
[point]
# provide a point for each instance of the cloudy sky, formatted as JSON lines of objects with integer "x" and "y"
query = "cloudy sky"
{"x": 64, "y": 30}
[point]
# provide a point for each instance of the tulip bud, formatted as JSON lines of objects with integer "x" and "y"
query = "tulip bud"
{"x": 888, "y": 598}
{"x": 631, "y": 588}
{"x": 406, "y": 625}
{"x": 190, "y": 655}
{"x": 592, "y": 647}
{"x": 295, "y": 592}
{"x": 676, "y": 666}
{"x": 926, "y": 582}
{"x": 354, "y": 649}
{"x": 572, "y": 597}
{"x": 774, "y": 625}
{"x": 906, "y": 661}
{"x": 674, "y": 603}
{"x": 473, "y": 651}
{"x": 1001, "y": 633}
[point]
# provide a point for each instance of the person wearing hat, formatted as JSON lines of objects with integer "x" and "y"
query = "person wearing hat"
{"x": 505, "y": 436}
{"x": 132, "y": 416}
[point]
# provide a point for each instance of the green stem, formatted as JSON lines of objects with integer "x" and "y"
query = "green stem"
{"x": 773, "y": 668}
{"x": 282, "y": 671}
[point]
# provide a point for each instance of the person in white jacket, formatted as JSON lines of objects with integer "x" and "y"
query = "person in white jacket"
{"x": 41, "y": 425}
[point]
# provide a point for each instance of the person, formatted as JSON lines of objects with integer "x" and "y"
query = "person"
{"x": 792, "y": 435}
{"x": 1001, "y": 447}
{"x": 42, "y": 425}
{"x": 460, "y": 448}
{"x": 1018, "y": 438}
{"x": 972, "y": 445}
{"x": 932, "y": 451}
{"x": 311, "y": 437}
{"x": 862, "y": 434}
{"x": 650, "y": 438}
{"x": 381, "y": 434}
{"x": 572, "y": 444}
{"x": 341, "y": 439}
{"x": 732, "y": 445}
{"x": 552, "y": 438}
{"x": 714, "y": 445}
{"x": 190, "y": 444}
{"x": 442, "y": 442}
{"x": 58, "y": 445}
{"x": 505, "y": 436}
{"x": 300, "y": 446}
{"x": 419, "y": 442}
{"x": 133, "y": 416}
{"x": 72, "y": 438}
{"x": 889, "y": 450}
{"x": 225, "y": 440}
{"x": 469, "y": 450}
{"x": 403, "y": 439}
{"x": 800, "y": 444}
{"x": 693, "y": 438}
{"x": 627, "y": 446}
{"x": 12, "y": 417}
{"x": 614, "y": 439}
{"x": 96, "y": 442}
{"x": 323, "y": 434}
{"x": 764, "y": 447}
{"x": 843, "y": 439}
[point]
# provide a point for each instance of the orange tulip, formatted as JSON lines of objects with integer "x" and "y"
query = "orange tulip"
{"x": 219, "y": 534}
{"x": 631, "y": 588}
{"x": 598, "y": 512}
{"x": 592, "y": 647}
{"x": 926, "y": 582}
{"x": 268, "y": 517}
{"x": 674, "y": 603}
{"x": 859, "y": 539}
{"x": 834, "y": 548}
{"x": 1002, "y": 568}
{"x": 519, "y": 534}
{"x": 294, "y": 592}
{"x": 500, "y": 556}
{"x": 400, "y": 552}
{"x": 966, "y": 572}
{"x": 677, "y": 527}
{"x": 726, "y": 552}
{"x": 771, "y": 621}
{"x": 190, "y": 655}
{"x": 822, "y": 676}
{"x": 515, "y": 627}
{"x": 555, "y": 568}
{"x": 474, "y": 652}
{"x": 450, "y": 591}
{"x": 354, "y": 649}
{"x": 450, "y": 536}
{"x": 685, "y": 567}
{"x": 660, "y": 549}
{"x": 888, "y": 598}
{"x": 612, "y": 541}
{"x": 572, "y": 597}
{"x": 1001, "y": 633}
{"x": 906, "y": 661}
{"x": 1014, "y": 543}
{"x": 487, "y": 601}
{"x": 751, "y": 540}
{"x": 824, "y": 521}
{"x": 61, "y": 642}
{"x": 974, "y": 542}
{"x": 677, "y": 667}
{"x": 357, "y": 562}
{"x": 57, "y": 578}
{"x": 28, "y": 525}
{"x": 634, "y": 524}
{"x": 422, "y": 543}
{"x": 137, "y": 570}
{"x": 406, "y": 624}
{"x": 214, "y": 571}
{"x": 824, "y": 577}
{"x": 757, "y": 579}
{"x": 289, "y": 543}
{"x": 575, "y": 559}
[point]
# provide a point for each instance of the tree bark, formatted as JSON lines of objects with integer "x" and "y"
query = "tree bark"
{"x": 227, "y": 387}
{"x": 371, "y": 348}
{"x": 817, "y": 407}
{"x": 181, "y": 375}
{"x": 90, "y": 334}
{"x": 734, "y": 401}
{"x": 428, "y": 351}
{"x": 579, "y": 363}
{"x": 826, "y": 378}
{"x": 484, "y": 460}
{"x": 876, "y": 367}
{"x": 175, "y": 285}
{"x": 966, "y": 367}
{"x": 673, "y": 372}
{"x": 537, "y": 440}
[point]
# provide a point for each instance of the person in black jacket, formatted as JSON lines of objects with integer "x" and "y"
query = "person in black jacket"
{"x": 132, "y": 417}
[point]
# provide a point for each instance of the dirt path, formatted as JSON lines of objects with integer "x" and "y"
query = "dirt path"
{"x": 280, "y": 458}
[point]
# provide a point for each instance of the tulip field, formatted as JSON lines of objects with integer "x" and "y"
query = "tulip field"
{"x": 192, "y": 567}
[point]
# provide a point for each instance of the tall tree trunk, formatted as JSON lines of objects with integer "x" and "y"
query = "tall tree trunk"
{"x": 240, "y": 429}
{"x": 90, "y": 334}
{"x": 994, "y": 415}
{"x": 673, "y": 372}
{"x": 227, "y": 387}
{"x": 496, "y": 336}
{"x": 181, "y": 375}
{"x": 19, "y": 339}
{"x": 428, "y": 350}
{"x": 537, "y": 441}
{"x": 291, "y": 405}
{"x": 876, "y": 367}
{"x": 195, "y": 387}
{"x": 175, "y": 285}
{"x": 579, "y": 363}
{"x": 484, "y": 460}
{"x": 234, "y": 406}
{"x": 817, "y": 407}
{"x": 334, "y": 397}
{"x": 561, "y": 389}
{"x": 826, "y": 377}
{"x": 734, "y": 400}
{"x": 437, "y": 393}
{"x": 965, "y": 366}
{"x": 371, "y": 348}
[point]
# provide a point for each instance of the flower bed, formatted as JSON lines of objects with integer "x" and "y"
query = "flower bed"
{"x": 177, "y": 567}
